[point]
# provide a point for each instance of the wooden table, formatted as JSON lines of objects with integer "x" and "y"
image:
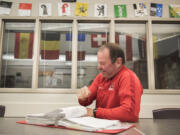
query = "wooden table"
{"x": 8, "y": 126}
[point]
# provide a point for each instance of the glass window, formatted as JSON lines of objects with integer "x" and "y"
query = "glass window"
{"x": 132, "y": 39}
{"x": 90, "y": 37}
{"x": 55, "y": 47}
{"x": 166, "y": 47}
{"x": 17, "y": 53}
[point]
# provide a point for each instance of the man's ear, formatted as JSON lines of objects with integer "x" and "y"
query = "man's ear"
{"x": 119, "y": 62}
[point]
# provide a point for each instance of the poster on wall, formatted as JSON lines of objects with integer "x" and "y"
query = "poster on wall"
{"x": 174, "y": 11}
{"x": 156, "y": 9}
{"x": 25, "y": 9}
{"x": 120, "y": 11}
{"x": 81, "y": 9}
{"x": 45, "y": 9}
{"x": 64, "y": 9}
{"x": 5, "y": 7}
{"x": 140, "y": 9}
{"x": 100, "y": 10}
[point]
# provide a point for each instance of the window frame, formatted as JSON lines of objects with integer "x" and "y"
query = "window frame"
{"x": 75, "y": 21}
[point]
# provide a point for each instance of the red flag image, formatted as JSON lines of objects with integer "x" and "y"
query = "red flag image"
{"x": 117, "y": 38}
{"x": 25, "y": 6}
{"x": 23, "y": 45}
{"x": 81, "y": 55}
{"x": 98, "y": 39}
{"x": 128, "y": 47}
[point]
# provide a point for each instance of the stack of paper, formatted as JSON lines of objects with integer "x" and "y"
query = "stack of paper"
{"x": 38, "y": 119}
{"x": 75, "y": 119}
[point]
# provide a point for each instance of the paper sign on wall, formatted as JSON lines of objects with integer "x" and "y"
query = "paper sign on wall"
{"x": 64, "y": 9}
{"x": 140, "y": 9}
{"x": 174, "y": 11}
{"x": 100, "y": 10}
{"x": 5, "y": 7}
{"x": 24, "y": 9}
{"x": 120, "y": 11}
{"x": 81, "y": 9}
{"x": 45, "y": 9}
{"x": 156, "y": 9}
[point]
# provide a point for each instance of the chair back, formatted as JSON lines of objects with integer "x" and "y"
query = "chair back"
{"x": 166, "y": 113}
{"x": 2, "y": 110}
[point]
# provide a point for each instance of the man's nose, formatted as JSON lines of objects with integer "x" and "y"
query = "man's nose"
{"x": 99, "y": 67}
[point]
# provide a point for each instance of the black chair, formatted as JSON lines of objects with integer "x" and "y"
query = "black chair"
{"x": 2, "y": 110}
{"x": 166, "y": 113}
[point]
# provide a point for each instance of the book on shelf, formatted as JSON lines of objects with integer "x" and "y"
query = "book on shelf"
{"x": 74, "y": 118}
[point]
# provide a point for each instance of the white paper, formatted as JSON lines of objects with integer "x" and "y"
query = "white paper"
{"x": 23, "y": 12}
{"x": 5, "y": 11}
{"x": 94, "y": 122}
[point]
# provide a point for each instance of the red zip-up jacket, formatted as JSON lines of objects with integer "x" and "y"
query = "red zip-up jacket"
{"x": 117, "y": 98}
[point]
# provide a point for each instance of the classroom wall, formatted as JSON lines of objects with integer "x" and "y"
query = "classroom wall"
{"x": 19, "y": 104}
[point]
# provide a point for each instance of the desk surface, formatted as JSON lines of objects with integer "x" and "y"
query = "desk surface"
{"x": 8, "y": 126}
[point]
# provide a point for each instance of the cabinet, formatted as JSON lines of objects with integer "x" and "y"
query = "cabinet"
{"x": 59, "y": 52}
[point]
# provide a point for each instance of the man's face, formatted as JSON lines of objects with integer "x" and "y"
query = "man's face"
{"x": 105, "y": 66}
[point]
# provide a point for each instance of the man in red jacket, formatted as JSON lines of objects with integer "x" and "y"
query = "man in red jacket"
{"x": 116, "y": 89}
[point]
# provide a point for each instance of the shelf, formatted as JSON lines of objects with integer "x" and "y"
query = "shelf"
{"x": 90, "y": 60}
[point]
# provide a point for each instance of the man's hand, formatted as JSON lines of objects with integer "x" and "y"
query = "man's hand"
{"x": 84, "y": 93}
{"x": 90, "y": 112}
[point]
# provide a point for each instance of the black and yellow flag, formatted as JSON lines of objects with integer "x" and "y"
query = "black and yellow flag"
{"x": 50, "y": 45}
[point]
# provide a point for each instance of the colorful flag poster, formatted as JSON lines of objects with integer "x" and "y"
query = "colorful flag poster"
{"x": 159, "y": 8}
{"x": 25, "y": 9}
{"x": 45, "y": 9}
{"x": 50, "y": 45}
{"x": 140, "y": 9}
{"x": 81, "y": 9}
{"x": 100, "y": 10}
{"x": 174, "y": 11}
{"x": 156, "y": 9}
{"x": 64, "y": 9}
{"x": 120, "y": 11}
{"x": 23, "y": 45}
{"x": 5, "y": 7}
{"x": 98, "y": 40}
{"x": 81, "y": 37}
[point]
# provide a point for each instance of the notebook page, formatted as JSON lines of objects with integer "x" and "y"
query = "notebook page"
{"x": 94, "y": 122}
